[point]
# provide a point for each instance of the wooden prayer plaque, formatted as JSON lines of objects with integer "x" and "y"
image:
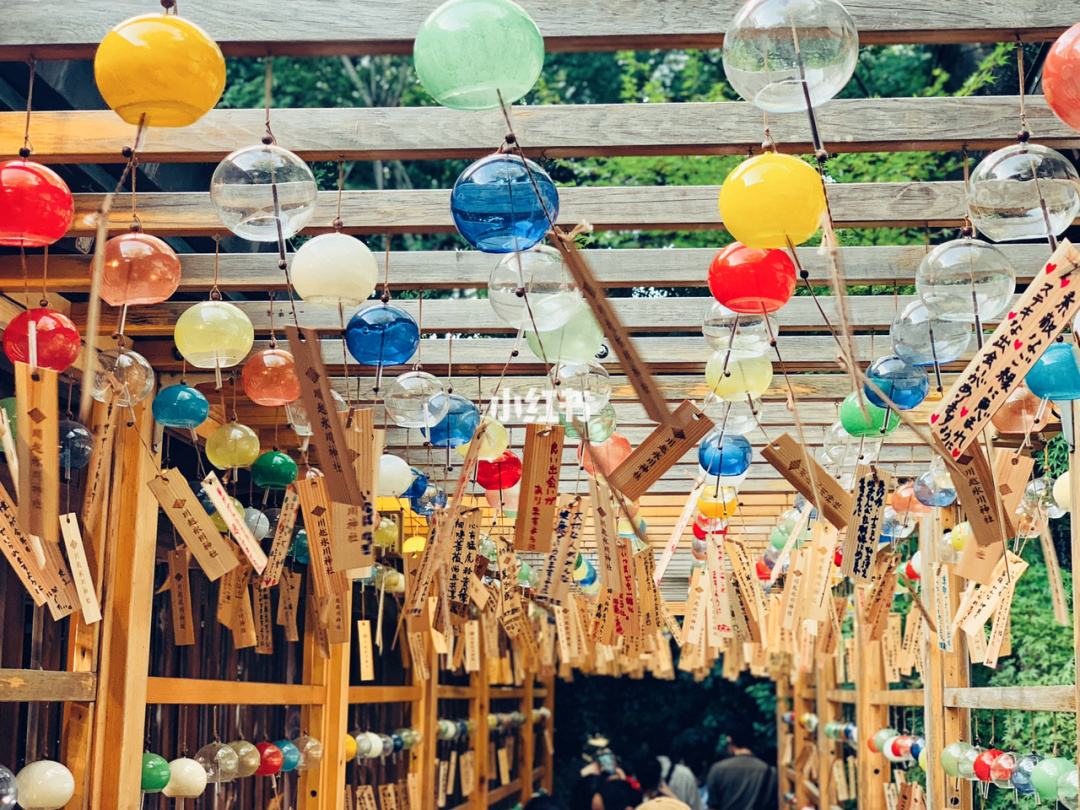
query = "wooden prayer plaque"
{"x": 37, "y": 441}
{"x": 234, "y": 520}
{"x": 791, "y": 461}
{"x": 542, "y": 462}
{"x": 1045, "y": 309}
{"x": 661, "y": 450}
{"x": 186, "y": 513}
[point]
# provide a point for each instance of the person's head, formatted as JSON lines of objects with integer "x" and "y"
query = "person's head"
{"x": 648, "y": 774}
{"x": 741, "y": 738}
{"x": 616, "y": 794}
{"x": 544, "y": 802}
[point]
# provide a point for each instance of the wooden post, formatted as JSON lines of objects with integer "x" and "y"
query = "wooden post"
{"x": 828, "y": 711}
{"x": 799, "y": 707}
{"x": 324, "y": 787}
{"x": 549, "y": 729}
{"x": 127, "y": 613}
{"x": 783, "y": 766}
{"x": 869, "y": 678}
{"x": 482, "y": 741}
{"x": 82, "y": 651}
{"x": 1074, "y": 536}
{"x": 527, "y": 752}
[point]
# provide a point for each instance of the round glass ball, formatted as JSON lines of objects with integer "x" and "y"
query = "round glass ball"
{"x": 751, "y": 281}
{"x": 382, "y": 335}
{"x": 923, "y": 338}
{"x": 496, "y": 207}
{"x": 181, "y": 406}
{"x": 263, "y": 193}
{"x": 334, "y": 269}
{"x": 724, "y": 455}
{"x": 44, "y": 785}
{"x": 125, "y": 375}
{"x": 37, "y": 204}
{"x": 213, "y": 334}
{"x": 140, "y": 269}
{"x": 458, "y": 425}
{"x": 273, "y": 470}
{"x": 76, "y": 444}
{"x": 964, "y": 277}
{"x": 232, "y": 445}
{"x": 57, "y": 339}
{"x": 415, "y": 400}
{"x": 583, "y": 389}
{"x": 772, "y": 200}
{"x": 269, "y": 378}
{"x": 1017, "y": 191}
{"x": 905, "y": 386}
{"x": 579, "y": 340}
{"x": 752, "y": 333}
{"x": 774, "y": 47}
{"x": 531, "y": 289}
{"x": 1055, "y": 375}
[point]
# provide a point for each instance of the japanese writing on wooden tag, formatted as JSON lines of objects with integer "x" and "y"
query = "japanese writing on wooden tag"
{"x": 365, "y": 798}
{"x": 38, "y": 448}
{"x": 464, "y": 544}
{"x": 677, "y": 532}
{"x": 648, "y": 392}
{"x": 864, "y": 530}
{"x": 264, "y": 629}
{"x": 557, "y": 574}
{"x": 187, "y": 515}
{"x": 315, "y": 504}
{"x": 542, "y": 463}
{"x": 1042, "y": 312}
{"x": 367, "y": 658}
{"x": 99, "y": 469}
{"x": 80, "y": 568}
{"x": 183, "y": 621}
{"x": 661, "y": 450}
{"x": 328, "y": 431}
{"x": 234, "y": 521}
{"x": 605, "y": 530}
{"x": 387, "y": 797}
{"x": 289, "y": 604}
{"x": 974, "y": 482}
{"x": 283, "y": 535}
{"x": 809, "y": 478}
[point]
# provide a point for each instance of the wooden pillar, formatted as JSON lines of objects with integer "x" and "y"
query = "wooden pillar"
{"x": 482, "y": 740}
{"x": 1074, "y": 536}
{"x": 323, "y": 788}
{"x": 869, "y": 678}
{"x": 125, "y": 632}
{"x": 803, "y": 739}
{"x": 828, "y": 711}
{"x": 425, "y": 718}
{"x": 783, "y": 737}
{"x": 82, "y": 649}
{"x": 527, "y": 748}
{"x": 549, "y": 731}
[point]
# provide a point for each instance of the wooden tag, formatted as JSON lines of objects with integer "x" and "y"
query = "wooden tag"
{"x": 20, "y": 553}
{"x": 985, "y": 598}
{"x": 746, "y": 590}
{"x": 464, "y": 542}
{"x": 890, "y": 648}
{"x": 283, "y": 535}
{"x": 328, "y": 430}
{"x": 37, "y": 442}
{"x": 542, "y": 463}
{"x": 1042, "y": 312}
{"x": 99, "y": 470}
{"x": 795, "y": 465}
{"x": 974, "y": 484}
{"x": 365, "y": 798}
{"x": 661, "y": 450}
{"x": 289, "y": 604}
{"x": 80, "y": 569}
{"x": 718, "y": 591}
{"x": 943, "y": 607}
{"x": 183, "y": 509}
{"x": 366, "y": 444}
{"x": 11, "y": 455}
{"x": 677, "y": 532}
{"x": 234, "y": 521}
{"x": 334, "y": 610}
{"x": 999, "y": 628}
{"x": 183, "y": 621}
{"x": 468, "y": 772}
{"x": 558, "y": 573}
{"x": 60, "y": 593}
{"x": 1012, "y": 472}
{"x": 472, "y": 646}
{"x": 1053, "y": 573}
{"x": 418, "y": 654}
{"x": 648, "y": 392}
{"x": 504, "y": 766}
{"x": 264, "y": 630}
{"x": 451, "y": 773}
{"x": 315, "y": 504}
{"x": 864, "y": 530}
{"x": 880, "y": 599}
{"x": 243, "y": 623}
{"x": 387, "y": 797}
{"x": 367, "y": 658}
{"x": 412, "y": 785}
{"x": 605, "y": 530}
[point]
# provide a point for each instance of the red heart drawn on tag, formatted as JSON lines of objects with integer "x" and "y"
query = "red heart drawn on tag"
{"x": 955, "y": 453}
{"x": 1018, "y": 344}
{"x": 1012, "y": 316}
{"x": 1051, "y": 267}
{"x": 964, "y": 412}
{"x": 933, "y": 418}
{"x": 1065, "y": 282}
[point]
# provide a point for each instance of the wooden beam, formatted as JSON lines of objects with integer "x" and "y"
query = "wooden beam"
{"x": 29, "y": 685}
{"x": 659, "y": 208}
{"x": 384, "y": 694}
{"x": 465, "y": 269}
{"x": 476, "y": 316}
{"x": 437, "y": 133}
{"x": 1013, "y": 698}
{"x": 51, "y": 30}
{"x": 204, "y": 692}
{"x": 127, "y": 616}
{"x": 898, "y": 697}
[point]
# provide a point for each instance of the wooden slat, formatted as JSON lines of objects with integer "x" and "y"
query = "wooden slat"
{"x": 898, "y": 697}
{"x": 489, "y": 355}
{"x": 606, "y": 208}
{"x": 463, "y": 269}
{"x": 58, "y": 31}
{"x": 639, "y": 315}
{"x": 426, "y": 133}
{"x": 384, "y": 694}
{"x": 26, "y": 685}
{"x": 1017, "y": 698}
{"x": 201, "y": 692}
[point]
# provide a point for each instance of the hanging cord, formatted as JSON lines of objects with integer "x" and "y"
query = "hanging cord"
{"x": 27, "y": 147}
{"x": 1025, "y": 133}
